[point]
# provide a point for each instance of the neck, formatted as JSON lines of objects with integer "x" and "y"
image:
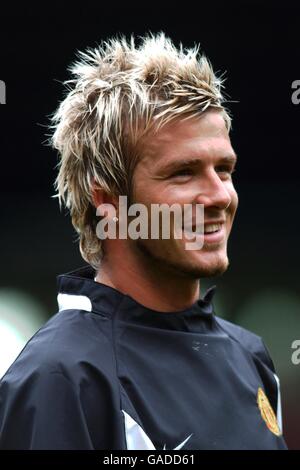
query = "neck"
{"x": 147, "y": 281}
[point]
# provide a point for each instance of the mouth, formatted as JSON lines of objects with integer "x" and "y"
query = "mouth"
{"x": 213, "y": 232}
{"x": 212, "y": 228}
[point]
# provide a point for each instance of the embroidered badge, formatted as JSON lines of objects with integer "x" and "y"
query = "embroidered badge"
{"x": 267, "y": 413}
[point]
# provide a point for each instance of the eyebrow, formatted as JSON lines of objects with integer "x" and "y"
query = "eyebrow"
{"x": 192, "y": 162}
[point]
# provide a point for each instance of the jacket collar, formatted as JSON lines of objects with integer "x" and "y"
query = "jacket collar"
{"x": 78, "y": 290}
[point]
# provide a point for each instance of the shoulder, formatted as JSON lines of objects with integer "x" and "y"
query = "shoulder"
{"x": 62, "y": 385}
{"x": 70, "y": 342}
{"x": 248, "y": 340}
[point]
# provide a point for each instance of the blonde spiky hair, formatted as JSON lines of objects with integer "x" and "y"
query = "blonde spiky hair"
{"x": 118, "y": 94}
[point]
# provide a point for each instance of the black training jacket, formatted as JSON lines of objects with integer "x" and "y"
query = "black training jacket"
{"x": 106, "y": 372}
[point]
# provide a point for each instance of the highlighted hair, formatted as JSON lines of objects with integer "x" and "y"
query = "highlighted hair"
{"x": 120, "y": 92}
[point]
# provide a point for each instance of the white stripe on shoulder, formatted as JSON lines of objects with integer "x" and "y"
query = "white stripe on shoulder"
{"x": 136, "y": 438}
{"x": 279, "y": 410}
{"x": 74, "y": 302}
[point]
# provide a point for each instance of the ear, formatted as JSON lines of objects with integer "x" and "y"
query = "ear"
{"x": 100, "y": 196}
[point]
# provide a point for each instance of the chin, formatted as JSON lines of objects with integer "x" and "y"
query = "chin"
{"x": 194, "y": 266}
{"x": 198, "y": 268}
{"x": 206, "y": 267}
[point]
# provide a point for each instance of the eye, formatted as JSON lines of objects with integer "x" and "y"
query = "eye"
{"x": 227, "y": 170}
{"x": 183, "y": 172}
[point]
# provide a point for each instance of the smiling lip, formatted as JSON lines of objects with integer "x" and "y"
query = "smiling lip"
{"x": 214, "y": 237}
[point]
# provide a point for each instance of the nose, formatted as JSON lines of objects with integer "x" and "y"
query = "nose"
{"x": 213, "y": 191}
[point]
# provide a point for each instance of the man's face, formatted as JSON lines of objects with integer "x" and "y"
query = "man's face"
{"x": 189, "y": 162}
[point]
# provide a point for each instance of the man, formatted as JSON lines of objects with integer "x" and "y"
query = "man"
{"x": 136, "y": 358}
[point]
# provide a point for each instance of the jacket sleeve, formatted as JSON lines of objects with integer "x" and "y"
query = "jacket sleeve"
{"x": 256, "y": 347}
{"x": 270, "y": 379}
{"x": 42, "y": 410}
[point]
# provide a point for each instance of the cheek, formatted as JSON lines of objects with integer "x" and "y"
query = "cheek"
{"x": 234, "y": 199}
{"x": 160, "y": 194}
{"x": 231, "y": 211}
{"x": 178, "y": 194}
